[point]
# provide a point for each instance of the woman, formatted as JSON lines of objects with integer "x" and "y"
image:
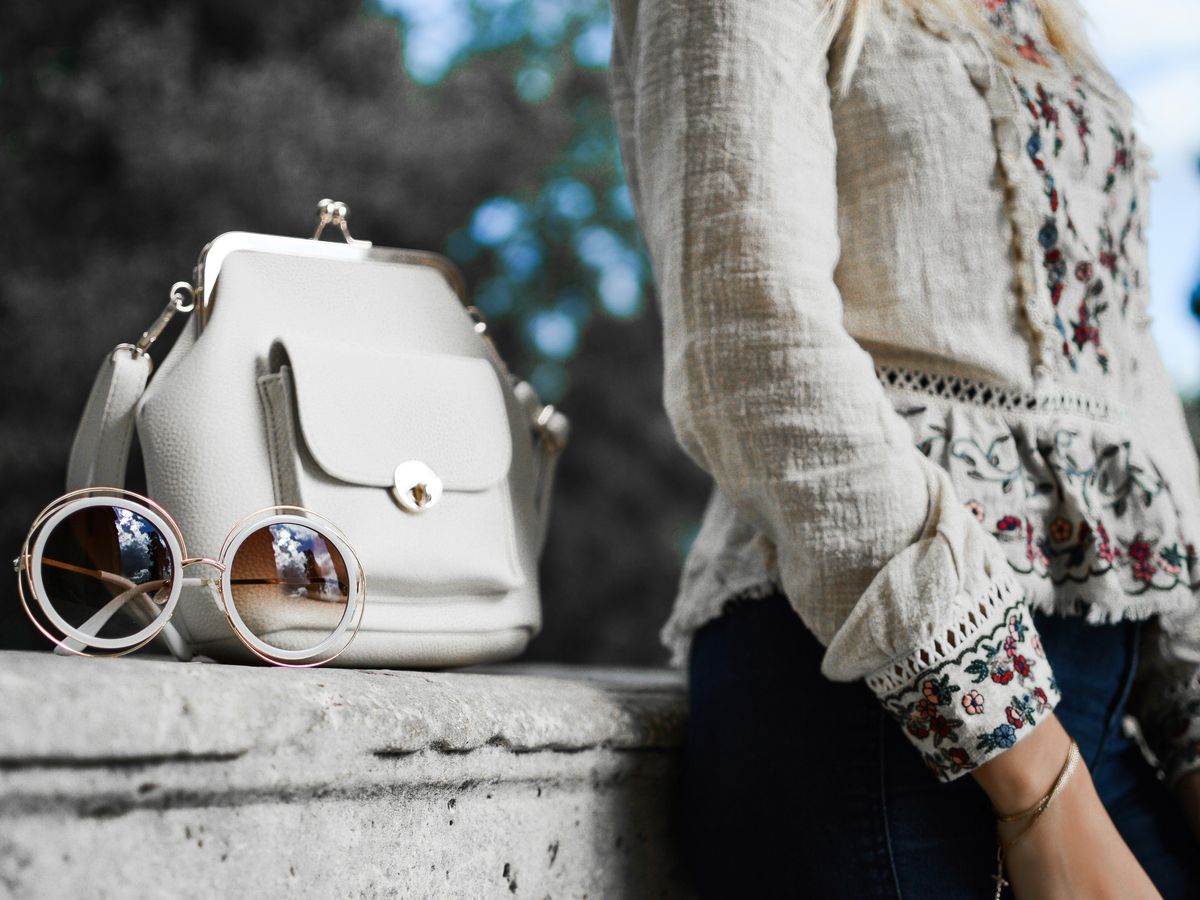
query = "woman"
{"x": 901, "y": 262}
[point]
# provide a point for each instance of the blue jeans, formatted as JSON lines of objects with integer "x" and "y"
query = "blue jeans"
{"x": 797, "y": 786}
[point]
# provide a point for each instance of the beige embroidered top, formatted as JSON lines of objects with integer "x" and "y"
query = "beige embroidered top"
{"x": 906, "y": 333}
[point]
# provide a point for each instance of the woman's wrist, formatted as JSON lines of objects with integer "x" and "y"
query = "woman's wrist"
{"x": 1021, "y": 775}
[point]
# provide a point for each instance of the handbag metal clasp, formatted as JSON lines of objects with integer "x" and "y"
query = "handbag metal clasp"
{"x": 335, "y": 212}
{"x": 415, "y": 486}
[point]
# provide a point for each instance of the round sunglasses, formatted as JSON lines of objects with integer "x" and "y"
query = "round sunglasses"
{"x": 101, "y": 572}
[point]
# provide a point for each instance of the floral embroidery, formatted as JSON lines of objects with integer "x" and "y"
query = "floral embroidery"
{"x": 1002, "y": 688}
{"x": 1082, "y": 122}
{"x": 1122, "y": 160}
{"x": 1002, "y": 14}
{"x": 1097, "y": 499}
{"x": 1073, "y": 549}
{"x": 1001, "y": 738}
{"x": 1083, "y": 329}
{"x": 1104, "y": 269}
{"x": 973, "y": 703}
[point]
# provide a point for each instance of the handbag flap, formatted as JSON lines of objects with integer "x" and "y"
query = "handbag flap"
{"x": 362, "y": 412}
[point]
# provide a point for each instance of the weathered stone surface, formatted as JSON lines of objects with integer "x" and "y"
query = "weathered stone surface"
{"x": 146, "y": 778}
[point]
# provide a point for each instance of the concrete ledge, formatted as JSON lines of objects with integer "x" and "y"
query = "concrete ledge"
{"x": 147, "y": 778}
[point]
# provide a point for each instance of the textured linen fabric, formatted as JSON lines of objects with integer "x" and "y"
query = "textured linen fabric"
{"x": 906, "y": 333}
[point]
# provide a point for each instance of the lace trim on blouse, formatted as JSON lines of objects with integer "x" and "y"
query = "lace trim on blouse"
{"x": 967, "y": 390}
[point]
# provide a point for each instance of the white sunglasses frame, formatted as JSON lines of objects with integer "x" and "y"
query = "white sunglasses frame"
{"x": 30, "y": 584}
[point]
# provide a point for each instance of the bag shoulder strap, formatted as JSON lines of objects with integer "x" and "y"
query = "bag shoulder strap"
{"x": 100, "y": 451}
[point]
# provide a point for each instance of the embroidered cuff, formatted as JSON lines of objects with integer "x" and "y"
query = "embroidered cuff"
{"x": 971, "y": 696}
{"x": 1170, "y": 723}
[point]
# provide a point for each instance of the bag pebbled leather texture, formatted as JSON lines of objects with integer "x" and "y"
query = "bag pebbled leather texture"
{"x": 310, "y": 382}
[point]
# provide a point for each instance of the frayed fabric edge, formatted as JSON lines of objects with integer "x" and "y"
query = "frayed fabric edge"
{"x": 676, "y": 634}
{"x": 1099, "y": 610}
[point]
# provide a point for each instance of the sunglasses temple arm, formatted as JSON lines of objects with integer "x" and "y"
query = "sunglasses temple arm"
{"x": 70, "y": 646}
{"x": 175, "y": 643}
{"x": 100, "y": 574}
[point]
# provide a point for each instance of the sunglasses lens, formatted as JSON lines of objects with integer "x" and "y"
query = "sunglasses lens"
{"x": 290, "y": 586}
{"x": 106, "y": 572}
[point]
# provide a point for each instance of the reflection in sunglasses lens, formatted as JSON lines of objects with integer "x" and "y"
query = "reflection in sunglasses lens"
{"x": 290, "y": 586}
{"x": 107, "y": 571}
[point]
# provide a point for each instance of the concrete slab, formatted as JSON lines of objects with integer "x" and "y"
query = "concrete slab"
{"x": 146, "y": 778}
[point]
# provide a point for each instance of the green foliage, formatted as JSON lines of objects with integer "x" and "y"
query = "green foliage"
{"x": 550, "y": 258}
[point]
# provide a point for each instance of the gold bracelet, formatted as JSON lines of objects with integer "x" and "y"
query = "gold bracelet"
{"x": 1063, "y": 775}
{"x": 1035, "y": 811}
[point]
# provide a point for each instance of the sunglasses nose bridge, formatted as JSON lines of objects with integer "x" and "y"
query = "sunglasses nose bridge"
{"x": 204, "y": 561}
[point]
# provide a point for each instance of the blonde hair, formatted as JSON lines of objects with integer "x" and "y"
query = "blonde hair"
{"x": 849, "y": 21}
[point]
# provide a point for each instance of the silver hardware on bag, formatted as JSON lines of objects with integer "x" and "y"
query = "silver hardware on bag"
{"x": 416, "y": 486}
{"x": 478, "y": 318}
{"x": 335, "y": 212}
{"x": 549, "y": 426}
{"x": 181, "y": 299}
{"x": 544, "y": 425}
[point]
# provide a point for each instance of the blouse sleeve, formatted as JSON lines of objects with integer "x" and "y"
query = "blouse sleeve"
{"x": 1166, "y": 694}
{"x": 725, "y": 125}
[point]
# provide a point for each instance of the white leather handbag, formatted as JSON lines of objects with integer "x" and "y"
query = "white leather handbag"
{"x": 354, "y": 381}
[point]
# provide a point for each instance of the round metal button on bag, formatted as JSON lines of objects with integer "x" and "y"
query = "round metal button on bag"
{"x": 416, "y": 487}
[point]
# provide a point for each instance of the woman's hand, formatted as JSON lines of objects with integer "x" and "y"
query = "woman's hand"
{"x": 1188, "y": 792}
{"x": 1074, "y": 850}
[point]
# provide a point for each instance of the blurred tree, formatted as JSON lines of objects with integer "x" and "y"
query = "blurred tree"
{"x": 1191, "y": 405}
{"x": 1195, "y": 298}
{"x": 134, "y": 132}
{"x": 547, "y": 260}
